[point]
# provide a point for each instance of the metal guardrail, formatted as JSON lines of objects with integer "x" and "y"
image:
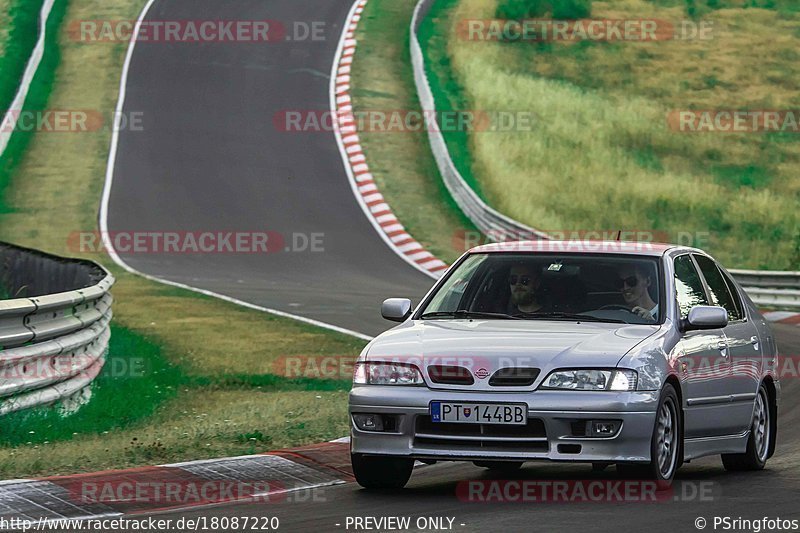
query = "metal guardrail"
{"x": 487, "y": 220}
{"x": 774, "y": 289}
{"x": 767, "y": 279}
{"x": 771, "y": 288}
{"x": 54, "y": 332}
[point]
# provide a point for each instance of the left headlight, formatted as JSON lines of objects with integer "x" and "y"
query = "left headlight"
{"x": 381, "y": 373}
{"x": 591, "y": 379}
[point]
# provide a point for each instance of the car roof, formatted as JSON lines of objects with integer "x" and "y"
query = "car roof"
{"x": 580, "y": 246}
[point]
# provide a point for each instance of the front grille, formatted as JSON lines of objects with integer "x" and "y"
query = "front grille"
{"x": 514, "y": 377}
{"x": 485, "y": 437}
{"x": 450, "y": 375}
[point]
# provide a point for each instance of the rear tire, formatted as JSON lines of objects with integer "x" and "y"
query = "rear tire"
{"x": 499, "y": 466}
{"x": 381, "y": 472}
{"x": 666, "y": 445}
{"x": 758, "y": 444}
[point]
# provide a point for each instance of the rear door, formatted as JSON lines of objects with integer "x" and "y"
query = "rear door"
{"x": 744, "y": 345}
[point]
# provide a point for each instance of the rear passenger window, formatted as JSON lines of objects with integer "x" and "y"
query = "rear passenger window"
{"x": 718, "y": 288}
{"x": 737, "y": 299}
{"x": 688, "y": 287}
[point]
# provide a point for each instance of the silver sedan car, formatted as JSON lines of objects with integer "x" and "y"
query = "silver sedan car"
{"x": 640, "y": 355}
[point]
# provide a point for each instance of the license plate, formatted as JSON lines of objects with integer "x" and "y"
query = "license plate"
{"x": 512, "y": 414}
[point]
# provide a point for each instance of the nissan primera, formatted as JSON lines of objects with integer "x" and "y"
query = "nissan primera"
{"x": 639, "y": 355}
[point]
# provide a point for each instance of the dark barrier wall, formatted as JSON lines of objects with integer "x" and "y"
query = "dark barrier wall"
{"x": 26, "y": 273}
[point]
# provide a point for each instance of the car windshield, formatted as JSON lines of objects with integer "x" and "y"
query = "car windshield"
{"x": 576, "y": 287}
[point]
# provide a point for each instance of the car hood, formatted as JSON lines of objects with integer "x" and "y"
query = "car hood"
{"x": 485, "y": 346}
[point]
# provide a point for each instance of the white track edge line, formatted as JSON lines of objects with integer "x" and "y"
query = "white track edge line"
{"x": 27, "y": 77}
{"x": 103, "y": 215}
{"x": 346, "y": 157}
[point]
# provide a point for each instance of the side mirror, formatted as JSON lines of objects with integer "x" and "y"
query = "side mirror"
{"x": 396, "y": 309}
{"x": 705, "y": 317}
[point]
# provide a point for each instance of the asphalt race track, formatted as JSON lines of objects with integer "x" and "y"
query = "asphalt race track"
{"x": 211, "y": 159}
{"x": 773, "y": 492}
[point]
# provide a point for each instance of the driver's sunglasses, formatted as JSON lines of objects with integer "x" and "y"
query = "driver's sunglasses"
{"x": 630, "y": 281}
{"x": 524, "y": 280}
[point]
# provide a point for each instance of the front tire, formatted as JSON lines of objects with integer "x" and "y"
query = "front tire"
{"x": 758, "y": 444}
{"x": 665, "y": 446}
{"x": 381, "y": 472}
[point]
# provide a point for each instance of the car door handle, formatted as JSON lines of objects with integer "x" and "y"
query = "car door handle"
{"x": 754, "y": 339}
{"x": 723, "y": 347}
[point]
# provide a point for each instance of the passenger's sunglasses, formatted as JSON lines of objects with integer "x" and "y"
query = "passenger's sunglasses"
{"x": 524, "y": 280}
{"x": 630, "y": 281}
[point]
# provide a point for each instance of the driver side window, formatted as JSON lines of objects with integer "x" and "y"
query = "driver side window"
{"x": 688, "y": 286}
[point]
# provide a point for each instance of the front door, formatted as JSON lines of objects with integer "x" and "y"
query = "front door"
{"x": 703, "y": 362}
{"x": 744, "y": 345}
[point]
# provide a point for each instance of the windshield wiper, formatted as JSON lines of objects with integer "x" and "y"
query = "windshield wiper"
{"x": 463, "y": 313}
{"x": 567, "y": 316}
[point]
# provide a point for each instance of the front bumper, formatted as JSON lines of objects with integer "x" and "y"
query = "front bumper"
{"x": 553, "y": 439}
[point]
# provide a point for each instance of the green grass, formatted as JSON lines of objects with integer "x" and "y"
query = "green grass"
{"x": 146, "y": 408}
{"x": 601, "y": 156}
{"x": 558, "y": 9}
{"x": 198, "y": 423}
{"x": 135, "y": 380}
{"x": 20, "y": 25}
{"x": 700, "y": 8}
{"x": 23, "y": 36}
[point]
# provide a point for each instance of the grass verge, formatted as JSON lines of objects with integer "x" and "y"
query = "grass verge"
{"x": 198, "y": 424}
{"x": 601, "y": 156}
{"x": 19, "y": 30}
{"x": 23, "y": 32}
{"x": 446, "y": 90}
{"x": 401, "y": 161}
{"x": 145, "y": 409}
{"x": 212, "y": 383}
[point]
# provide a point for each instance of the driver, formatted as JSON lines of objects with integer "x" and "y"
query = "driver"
{"x": 524, "y": 281}
{"x": 633, "y": 283}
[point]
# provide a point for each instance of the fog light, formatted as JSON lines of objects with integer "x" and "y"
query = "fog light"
{"x": 376, "y": 422}
{"x": 366, "y": 422}
{"x": 605, "y": 428}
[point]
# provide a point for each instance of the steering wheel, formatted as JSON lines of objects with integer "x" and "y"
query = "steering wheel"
{"x": 615, "y": 307}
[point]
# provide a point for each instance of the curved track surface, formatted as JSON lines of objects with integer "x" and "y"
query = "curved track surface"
{"x": 210, "y": 158}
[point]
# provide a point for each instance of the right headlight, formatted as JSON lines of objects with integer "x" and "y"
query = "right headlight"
{"x": 384, "y": 373}
{"x": 591, "y": 379}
